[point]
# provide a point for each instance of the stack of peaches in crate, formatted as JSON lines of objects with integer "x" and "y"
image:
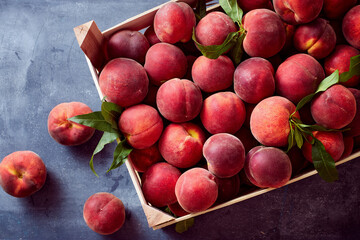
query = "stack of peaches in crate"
{"x": 208, "y": 104}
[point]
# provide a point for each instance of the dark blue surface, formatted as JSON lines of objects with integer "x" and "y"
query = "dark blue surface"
{"x": 41, "y": 66}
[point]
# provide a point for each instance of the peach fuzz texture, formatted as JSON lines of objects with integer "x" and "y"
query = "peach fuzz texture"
{"x": 181, "y": 144}
{"x": 141, "y": 125}
{"x": 225, "y": 155}
{"x": 104, "y": 213}
{"x": 351, "y": 26}
{"x": 124, "y": 81}
{"x": 223, "y": 112}
{"x": 179, "y": 100}
{"x": 65, "y": 131}
{"x": 196, "y": 190}
{"x": 174, "y": 22}
{"x": 158, "y": 184}
{"x": 22, "y": 173}
{"x": 269, "y": 121}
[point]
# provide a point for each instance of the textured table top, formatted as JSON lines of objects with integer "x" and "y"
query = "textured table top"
{"x": 41, "y": 66}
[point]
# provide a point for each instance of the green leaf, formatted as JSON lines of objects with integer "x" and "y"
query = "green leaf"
{"x": 236, "y": 51}
{"x": 323, "y": 162}
{"x": 94, "y": 120}
{"x": 323, "y": 86}
{"x": 290, "y": 137}
{"x": 298, "y": 138}
{"x": 215, "y": 51}
{"x": 120, "y": 155}
{"x": 111, "y": 113}
{"x": 232, "y": 9}
{"x": 354, "y": 69}
{"x": 183, "y": 226}
{"x": 317, "y": 128}
{"x": 200, "y": 10}
{"x": 106, "y": 138}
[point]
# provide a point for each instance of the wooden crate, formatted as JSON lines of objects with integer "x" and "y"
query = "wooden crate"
{"x": 91, "y": 41}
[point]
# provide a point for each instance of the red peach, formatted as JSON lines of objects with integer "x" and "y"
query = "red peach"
{"x": 104, "y": 213}
{"x": 174, "y": 22}
{"x": 225, "y": 155}
{"x": 158, "y": 184}
{"x": 351, "y": 26}
{"x": 128, "y": 44}
{"x": 214, "y": 28}
{"x": 164, "y": 61}
{"x": 228, "y": 188}
{"x": 246, "y": 137}
{"x": 355, "y": 123}
{"x": 335, "y": 108}
{"x": 334, "y": 9}
{"x": 142, "y": 159}
{"x": 269, "y": 121}
{"x": 212, "y": 75}
{"x": 141, "y": 125}
{"x": 248, "y": 5}
{"x": 176, "y": 209}
{"x": 124, "y": 81}
{"x": 262, "y": 40}
{"x": 317, "y": 38}
{"x": 348, "y": 147}
{"x": 196, "y": 190}
{"x": 223, "y": 112}
{"x": 298, "y": 11}
{"x": 340, "y": 59}
{"x": 254, "y": 80}
{"x": 298, "y": 76}
{"x": 67, "y": 132}
{"x": 332, "y": 141}
{"x": 22, "y": 173}
{"x": 181, "y": 144}
{"x": 151, "y": 35}
{"x": 179, "y": 100}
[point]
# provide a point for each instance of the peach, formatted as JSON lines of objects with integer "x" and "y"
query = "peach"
{"x": 355, "y": 123}
{"x": 158, "y": 184}
{"x": 248, "y": 5}
{"x": 223, "y": 112}
{"x": 141, "y": 125}
{"x": 335, "y": 108}
{"x": 212, "y": 75}
{"x": 332, "y": 141}
{"x": 142, "y": 159}
{"x": 335, "y": 9}
{"x": 288, "y": 46}
{"x": 228, "y": 188}
{"x": 196, "y": 190}
{"x": 128, "y": 44}
{"x": 124, "y": 81}
{"x": 337, "y": 26}
{"x": 351, "y": 26}
{"x": 317, "y": 38}
{"x": 179, "y": 100}
{"x": 214, "y": 28}
{"x": 22, "y": 173}
{"x": 269, "y": 121}
{"x": 164, "y": 61}
{"x": 261, "y": 40}
{"x": 298, "y": 76}
{"x": 181, "y": 144}
{"x": 246, "y": 137}
{"x": 176, "y": 209}
{"x": 340, "y": 59}
{"x": 254, "y": 80}
{"x": 151, "y": 35}
{"x": 268, "y": 167}
{"x": 348, "y": 147}
{"x": 67, "y": 132}
{"x": 104, "y": 213}
{"x": 298, "y": 11}
{"x": 174, "y": 22}
{"x": 225, "y": 155}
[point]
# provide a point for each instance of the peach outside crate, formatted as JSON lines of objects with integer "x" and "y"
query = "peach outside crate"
{"x": 91, "y": 41}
